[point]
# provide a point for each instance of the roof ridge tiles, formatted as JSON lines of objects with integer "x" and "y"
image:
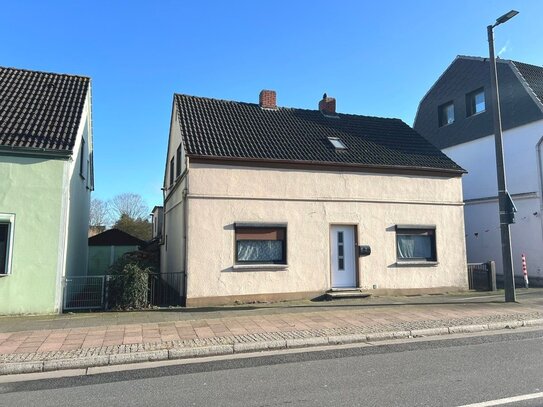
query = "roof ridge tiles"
{"x": 11, "y": 68}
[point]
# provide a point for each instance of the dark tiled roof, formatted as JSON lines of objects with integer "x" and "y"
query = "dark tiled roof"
{"x": 519, "y": 85}
{"x": 114, "y": 237}
{"x": 533, "y": 75}
{"x": 227, "y": 129}
{"x": 40, "y": 110}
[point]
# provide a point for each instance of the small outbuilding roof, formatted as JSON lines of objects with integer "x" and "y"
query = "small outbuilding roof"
{"x": 114, "y": 237}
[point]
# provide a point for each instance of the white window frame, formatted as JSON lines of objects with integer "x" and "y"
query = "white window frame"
{"x": 471, "y": 105}
{"x": 337, "y": 143}
{"x": 8, "y": 218}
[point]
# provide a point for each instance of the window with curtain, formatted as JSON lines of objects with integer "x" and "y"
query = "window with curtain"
{"x": 415, "y": 244}
{"x": 261, "y": 245}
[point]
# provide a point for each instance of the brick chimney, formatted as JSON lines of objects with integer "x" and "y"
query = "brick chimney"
{"x": 268, "y": 99}
{"x": 327, "y": 105}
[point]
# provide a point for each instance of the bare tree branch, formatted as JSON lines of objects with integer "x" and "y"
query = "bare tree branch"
{"x": 129, "y": 204}
{"x": 99, "y": 213}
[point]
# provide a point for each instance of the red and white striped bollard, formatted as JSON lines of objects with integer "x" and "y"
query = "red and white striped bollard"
{"x": 524, "y": 270}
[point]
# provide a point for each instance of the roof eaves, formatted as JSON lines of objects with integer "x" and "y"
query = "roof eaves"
{"x": 29, "y": 151}
{"x": 374, "y": 167}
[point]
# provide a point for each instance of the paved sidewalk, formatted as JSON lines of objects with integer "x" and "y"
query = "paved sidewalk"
{"x": 84, "y": 340}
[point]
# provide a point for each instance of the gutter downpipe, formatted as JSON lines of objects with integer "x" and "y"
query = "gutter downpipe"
{"x": 538, "y": 148}
{"x": 185, "y": 230}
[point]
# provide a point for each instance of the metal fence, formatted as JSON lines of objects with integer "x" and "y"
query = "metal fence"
{"x": 84, "y": 292}
{"x": 482, "y": 276}
{"x": 95, "y": 292}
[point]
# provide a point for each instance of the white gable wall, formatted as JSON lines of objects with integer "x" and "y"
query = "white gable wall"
{"x": 172, "y": 251}
{"x": 76, "y": 202}
{"x": 523, "y": 173}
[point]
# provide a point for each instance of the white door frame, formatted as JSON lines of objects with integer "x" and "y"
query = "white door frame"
{"x": 352, "y": 260}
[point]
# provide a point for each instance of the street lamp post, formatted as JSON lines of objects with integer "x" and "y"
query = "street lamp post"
{"x": 504, "y": 200}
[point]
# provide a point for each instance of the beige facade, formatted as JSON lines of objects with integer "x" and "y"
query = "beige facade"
{"x": 209, "y": 199}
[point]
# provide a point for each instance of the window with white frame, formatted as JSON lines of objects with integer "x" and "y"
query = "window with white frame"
{"x": 416, "y": 243}
{"x": 475, "y": 102}
{"x": 337, "y": 143}
{"x": 261, "y": 244}
{"x": 6, "y": 243}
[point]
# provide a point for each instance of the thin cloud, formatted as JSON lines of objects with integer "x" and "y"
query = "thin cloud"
{"x": 504, "y": 49}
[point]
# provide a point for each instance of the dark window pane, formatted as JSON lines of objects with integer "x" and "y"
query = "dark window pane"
{"x": 172, "y": 169}
{"x": 178, "y": 168}
{"x": 4, "y": 229}
{"x": 446, "y": 114}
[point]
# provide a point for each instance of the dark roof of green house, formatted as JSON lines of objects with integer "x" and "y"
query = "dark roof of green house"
{"x": 213, "y": 128}
{"x": 40, "y": 110}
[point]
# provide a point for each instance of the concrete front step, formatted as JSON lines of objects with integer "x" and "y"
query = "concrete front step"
{"x": 347, "y": 293}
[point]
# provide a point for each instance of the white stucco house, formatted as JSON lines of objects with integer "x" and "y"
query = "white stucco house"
{"x": 269, "y": 203}
{"x": 454, "y": 115}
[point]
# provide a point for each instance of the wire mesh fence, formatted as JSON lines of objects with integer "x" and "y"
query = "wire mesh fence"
{"x": 84, "y": 292}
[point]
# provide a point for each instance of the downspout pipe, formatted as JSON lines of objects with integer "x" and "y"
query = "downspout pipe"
{"x": 185, "y": 228}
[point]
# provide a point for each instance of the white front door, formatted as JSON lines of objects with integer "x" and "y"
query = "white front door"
{"x": 343, "y": 256}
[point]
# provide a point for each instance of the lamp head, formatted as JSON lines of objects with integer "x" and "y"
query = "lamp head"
{"x": 506, "y": 17}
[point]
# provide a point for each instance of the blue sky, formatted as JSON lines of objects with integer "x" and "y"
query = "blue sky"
{"x": 375, "y": 57}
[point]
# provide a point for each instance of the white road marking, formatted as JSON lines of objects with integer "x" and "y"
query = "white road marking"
{"x": 507, "y": 400}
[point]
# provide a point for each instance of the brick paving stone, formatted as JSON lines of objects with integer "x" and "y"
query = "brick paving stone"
{"x": 132, "y": 339}
{"x": 48, "y": 347}
{"x": 204, "y": 332}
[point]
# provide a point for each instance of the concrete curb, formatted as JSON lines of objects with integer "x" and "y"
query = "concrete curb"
{"x": 260, "y": 346}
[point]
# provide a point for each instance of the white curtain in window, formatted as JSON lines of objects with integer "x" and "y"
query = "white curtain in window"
{"x": 414, "y": 247}
{"x": 260, "y": 250}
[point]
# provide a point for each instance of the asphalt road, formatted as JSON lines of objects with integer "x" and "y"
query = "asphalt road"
{"x": 451, "y": 372}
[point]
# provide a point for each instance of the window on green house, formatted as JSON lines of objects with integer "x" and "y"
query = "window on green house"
{"x": 6, "y": 236}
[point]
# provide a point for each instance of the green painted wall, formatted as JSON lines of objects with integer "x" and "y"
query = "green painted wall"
{"x": 78, "y": 214}
{"x": 100, "y": 257}
{"x": 31, "y": 189}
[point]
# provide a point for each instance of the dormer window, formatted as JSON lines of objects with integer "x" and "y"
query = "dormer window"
{"x": 337, "y": 143}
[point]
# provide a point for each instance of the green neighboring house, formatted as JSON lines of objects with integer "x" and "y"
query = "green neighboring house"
{"x": 107, "y": 247}
{"x": 46, "y": 178}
